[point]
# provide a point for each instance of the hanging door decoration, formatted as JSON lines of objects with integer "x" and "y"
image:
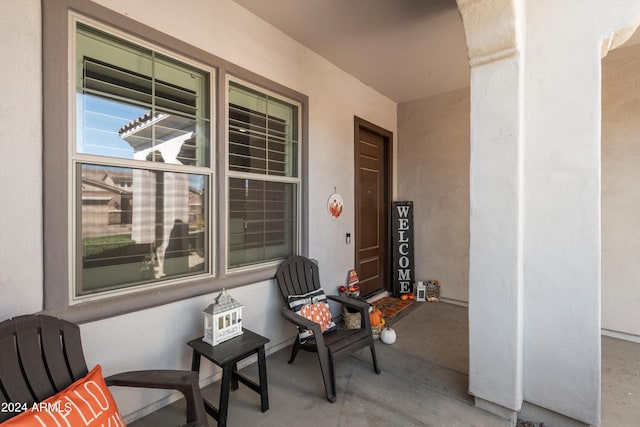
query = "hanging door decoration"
{"x": 335, "y": 205}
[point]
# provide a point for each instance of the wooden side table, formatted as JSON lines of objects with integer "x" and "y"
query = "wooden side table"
{"x": 227, "y": 355}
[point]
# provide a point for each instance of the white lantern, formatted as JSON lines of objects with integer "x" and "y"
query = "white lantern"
{"x": 421, "y": 292}
{"x": 222, "y": 319}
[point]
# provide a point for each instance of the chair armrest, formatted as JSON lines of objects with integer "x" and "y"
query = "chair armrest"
{"x": 186, "y": 382}
{"x": 361, "y": 306}
{"x": 300, "y": 321}
{"x": 303, "y": 322}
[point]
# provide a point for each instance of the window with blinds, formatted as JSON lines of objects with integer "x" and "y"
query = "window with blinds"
{"x": 263, "y": 176}
{"x": 138, "y": 104}
{"x": 141, "y": 160}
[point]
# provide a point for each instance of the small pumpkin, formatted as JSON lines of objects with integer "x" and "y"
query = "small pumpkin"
{"x": 388, "y": 336}
{"x": 375, "y": 317}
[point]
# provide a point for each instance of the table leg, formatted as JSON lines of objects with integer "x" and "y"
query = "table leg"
{"x": 195, "y": 361}
{"x": 234, "y": 378}
{"x": 262, "y": 369}
{"x": 227, "y": 376}
{"x": 195, "y": 366}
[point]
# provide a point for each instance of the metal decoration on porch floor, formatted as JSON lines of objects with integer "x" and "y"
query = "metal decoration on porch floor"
{"x": 433, "y": 291}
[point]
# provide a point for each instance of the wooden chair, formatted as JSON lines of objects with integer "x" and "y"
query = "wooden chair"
{"x": 299, "y": 275}
{"x": 42, "y": 355}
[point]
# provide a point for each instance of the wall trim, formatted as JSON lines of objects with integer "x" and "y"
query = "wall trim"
{"x": 454, "y": 302}
{"x": 620, "y": 335}
{"x": 493, "y": 57}
{"x": 534, "y": 413}
{"x": 493, "y": 408}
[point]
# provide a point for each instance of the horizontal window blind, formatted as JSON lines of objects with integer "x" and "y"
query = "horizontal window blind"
{"x": 257, "y": 142}
{"x": 262, "y": 219}
{"x": 172, "y": 125}
{"x": 263, "y": 176}
{"x": 118, "y": 83}
{"x": 262, "y": 206}
{"x": 138, "y": 104}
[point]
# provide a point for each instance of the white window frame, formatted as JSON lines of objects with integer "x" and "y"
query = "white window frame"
{"x": 76, "y": 158}
{"x": 297, "y": 180}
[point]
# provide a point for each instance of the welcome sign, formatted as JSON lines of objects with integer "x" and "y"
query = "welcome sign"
{"x": 402, "y": 235}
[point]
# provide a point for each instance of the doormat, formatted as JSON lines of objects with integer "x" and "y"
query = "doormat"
{"x": 391, "y": 306}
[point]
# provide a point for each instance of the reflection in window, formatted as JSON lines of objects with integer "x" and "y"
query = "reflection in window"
{"x": 141, "y": 149}
{"x": 151, "y": 230}
{"x": 134, "y": 103}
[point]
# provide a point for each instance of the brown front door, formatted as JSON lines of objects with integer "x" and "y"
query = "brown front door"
{"x": 372, "y": 170}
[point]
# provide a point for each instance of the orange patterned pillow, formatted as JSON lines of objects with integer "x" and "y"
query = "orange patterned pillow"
{"x": 86, "y": 402}
{"x": 315, "y": 305}
{"x": 319, "y": 313}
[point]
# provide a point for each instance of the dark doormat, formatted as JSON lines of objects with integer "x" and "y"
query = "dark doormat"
{"x": 394, "y": 309}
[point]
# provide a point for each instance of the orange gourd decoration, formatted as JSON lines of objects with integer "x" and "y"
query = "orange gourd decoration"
{"x": 375, "y": 317}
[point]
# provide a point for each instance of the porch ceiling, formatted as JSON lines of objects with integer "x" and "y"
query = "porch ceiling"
{"x": 404, "y": 49}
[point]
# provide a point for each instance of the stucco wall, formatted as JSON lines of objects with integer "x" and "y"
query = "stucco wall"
{"x": 20, "y": 159}
{"x": 155, "y": 338}
{"x": 433, "y": 149}
{"x": 621, "y": 192}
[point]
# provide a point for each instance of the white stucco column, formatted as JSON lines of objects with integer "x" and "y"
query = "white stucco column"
{"x": 534, "y": 257}
{"x": 495, "y": 252}
{"x": 562, "y": 235}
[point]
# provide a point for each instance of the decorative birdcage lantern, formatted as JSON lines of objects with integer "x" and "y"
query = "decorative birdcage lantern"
{"x": 222, "y": 319}
{"x": 421, "y": 292}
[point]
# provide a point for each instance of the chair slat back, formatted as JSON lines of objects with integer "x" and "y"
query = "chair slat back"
{"x": 72, "y": 344}
{"x": 296, "y": 276}
{"x": 14, "y": 388}
{"x": 39, "y": 356}
{"x": 30, "y": 352}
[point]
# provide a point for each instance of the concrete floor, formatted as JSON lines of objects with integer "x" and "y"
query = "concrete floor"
{"x": 620, "y": 383}
{"x": 423, "y": 383}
